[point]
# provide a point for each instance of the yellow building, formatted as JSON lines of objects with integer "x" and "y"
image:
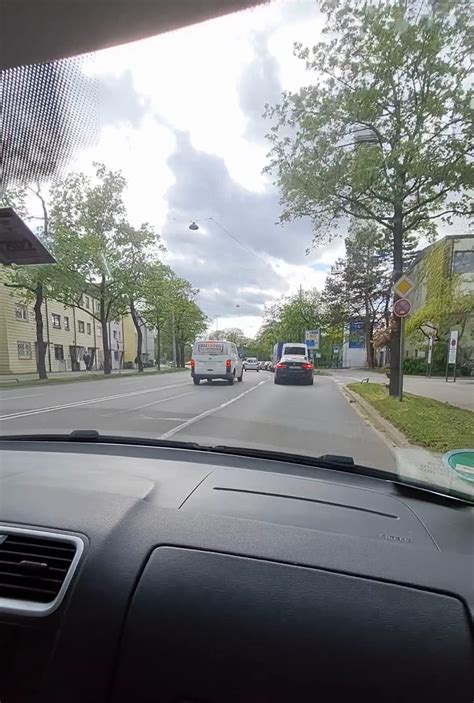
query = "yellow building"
{"x": 130, "y": 341}
{"x": 69, "y": 333}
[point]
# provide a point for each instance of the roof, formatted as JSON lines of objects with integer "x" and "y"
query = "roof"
{"x": 35, "y": 31}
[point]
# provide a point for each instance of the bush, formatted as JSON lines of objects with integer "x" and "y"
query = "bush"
{"x": 414, "y": 366}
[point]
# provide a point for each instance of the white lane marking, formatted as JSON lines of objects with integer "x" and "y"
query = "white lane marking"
{"x": 53, "y": 408}
{"x": 162, "y": 419}
{"x": 147, "y": 405}
{"x": 14, "y": 397}
{"x": 206, "y": 413}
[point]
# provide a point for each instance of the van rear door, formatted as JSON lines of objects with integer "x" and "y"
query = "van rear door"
{"x": 209, "y": 358}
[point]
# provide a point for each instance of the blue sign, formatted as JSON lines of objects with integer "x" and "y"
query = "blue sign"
{"x": 310, "y": 343}
{"x": 356, "y": 334}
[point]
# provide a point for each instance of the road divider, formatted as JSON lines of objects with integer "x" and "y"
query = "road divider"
{"x": 211, "y": 411}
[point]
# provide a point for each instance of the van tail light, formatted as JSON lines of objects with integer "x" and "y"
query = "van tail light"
{"x": 307, "y": 366}
{"x": 193, "y": 364}
{"x": 228, "y": 364}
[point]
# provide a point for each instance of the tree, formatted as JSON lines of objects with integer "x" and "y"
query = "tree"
{"x": 384, "y": 131}
{"x": 447, "y": 304}
{"x": 359, "y": 285}
{"x": 33, "y": 283}
{"x": 138, "y": 251}
{"x": 188, "y": 320}
{"x": 89, "y": 228}
{"x": 160, "y": 289}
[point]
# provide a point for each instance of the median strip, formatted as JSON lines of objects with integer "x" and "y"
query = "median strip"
{"x": 428, "y": 423}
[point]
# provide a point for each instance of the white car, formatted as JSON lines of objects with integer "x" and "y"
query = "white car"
{"x": 252, "y": 364}
{"x": 216, "y": 360}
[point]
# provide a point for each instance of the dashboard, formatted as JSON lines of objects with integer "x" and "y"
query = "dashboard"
{"x": 150, "y": 574}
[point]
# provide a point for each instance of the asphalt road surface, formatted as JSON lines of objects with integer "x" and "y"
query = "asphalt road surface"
{"x": 255, "y": 413}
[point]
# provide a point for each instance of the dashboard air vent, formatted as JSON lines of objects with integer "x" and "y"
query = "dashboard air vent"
{"x": 35, "y": 568}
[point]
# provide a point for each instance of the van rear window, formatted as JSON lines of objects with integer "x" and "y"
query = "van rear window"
{"x": 209, "y": 348}
{"x": 295, "y": 350}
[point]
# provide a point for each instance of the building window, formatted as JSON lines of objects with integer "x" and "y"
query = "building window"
{"x": 116, "y": 355}
{"x": 58, "y": 352}
{"x": 24, "y": 350}
{"x": 66, "y": 323}
{"x": 99, "y": 331}
{"x": 463, "y": 262}
{"x": 115, "y": 334}
{"x": 97, "y": 306}
{"x": 56, "y": 321}
{"x": 89, "y": 331}
{"x": 21, "y": 312}
{"x": 87, "y": 301}
{"x": 81, "y": 326}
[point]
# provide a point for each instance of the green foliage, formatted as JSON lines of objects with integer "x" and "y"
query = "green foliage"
{"x": 383, "y": 131}
{"x": 414, "y": 366}
{"x": 429, "y": 423}
{"x": 447, "y": 306}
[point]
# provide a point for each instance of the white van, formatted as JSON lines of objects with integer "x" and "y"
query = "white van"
{"x": 295, "y": 348}
{"x": 216, "y": 359}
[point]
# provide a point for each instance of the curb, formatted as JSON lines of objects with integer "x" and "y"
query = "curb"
{"x": 395, "y": 436}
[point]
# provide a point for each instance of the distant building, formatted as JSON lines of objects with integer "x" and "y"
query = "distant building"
{"x": 460, "y": 257}
{"x": 130, "y": 341}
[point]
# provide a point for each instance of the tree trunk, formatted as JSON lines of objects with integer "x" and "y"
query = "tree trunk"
{"x": 40, "y": 343}
{"x": 394, "y": 385}
{"x": 105, "y": 331}
{"x": 136, "y": 322}
{"x": 158, "y": 346}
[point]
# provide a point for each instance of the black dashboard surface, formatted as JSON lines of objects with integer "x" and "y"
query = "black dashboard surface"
{"x": 212, "y": 578}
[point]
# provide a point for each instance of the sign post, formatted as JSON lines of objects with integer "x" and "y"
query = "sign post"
{"x": 401, "y": 309}
{"x": 430, "y": 356}
{"x": 452, "y": 353}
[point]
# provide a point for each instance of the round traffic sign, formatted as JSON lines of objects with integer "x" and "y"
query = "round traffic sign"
{"x": 402, "y": 307}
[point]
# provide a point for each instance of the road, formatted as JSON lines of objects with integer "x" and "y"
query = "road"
{"x": 306, "y": 419}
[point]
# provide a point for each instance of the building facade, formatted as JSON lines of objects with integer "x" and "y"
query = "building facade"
{"x": 70, "y": 334}
{"x": 460, "y": 257}
{"x": 130, "y": 341}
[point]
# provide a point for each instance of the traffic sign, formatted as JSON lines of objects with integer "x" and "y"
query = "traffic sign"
{"x": 403, "y": 286}
{"x": 402, "y": 307}
{"x": 453, "y": 346}
{"x": 312, "y": 338}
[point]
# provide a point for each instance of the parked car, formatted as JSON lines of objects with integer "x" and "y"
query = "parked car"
{"x": 252, "y": 364}
{"x": 294, "y": 368}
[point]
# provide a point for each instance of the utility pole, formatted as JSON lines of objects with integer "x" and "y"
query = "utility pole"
{"x": 173, "y": 338}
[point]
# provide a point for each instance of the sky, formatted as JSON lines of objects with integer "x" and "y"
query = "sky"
{"x": 181, "y": 116}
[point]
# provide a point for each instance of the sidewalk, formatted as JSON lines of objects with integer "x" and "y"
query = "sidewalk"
{"x": 460, "y": 394}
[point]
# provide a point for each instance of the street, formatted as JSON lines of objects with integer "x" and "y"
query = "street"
{"x": 256, "y": 413}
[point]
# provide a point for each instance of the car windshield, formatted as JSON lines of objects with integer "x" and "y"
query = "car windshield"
{"x": 178, "y": 212}
{"x": 295, "y": 350}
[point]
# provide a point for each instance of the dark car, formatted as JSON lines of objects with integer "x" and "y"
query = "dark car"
{"x": 293, "y": 368}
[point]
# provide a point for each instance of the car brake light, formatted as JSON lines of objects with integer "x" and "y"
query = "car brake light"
{"x": 280, "y": 365}
{"x": 307, "y": 366}
{"x": 193, "y": 363}
{"x": 228, "y": 364}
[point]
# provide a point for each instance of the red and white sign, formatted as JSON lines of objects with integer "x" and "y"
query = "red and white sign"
{"x": 402, "y": 307}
